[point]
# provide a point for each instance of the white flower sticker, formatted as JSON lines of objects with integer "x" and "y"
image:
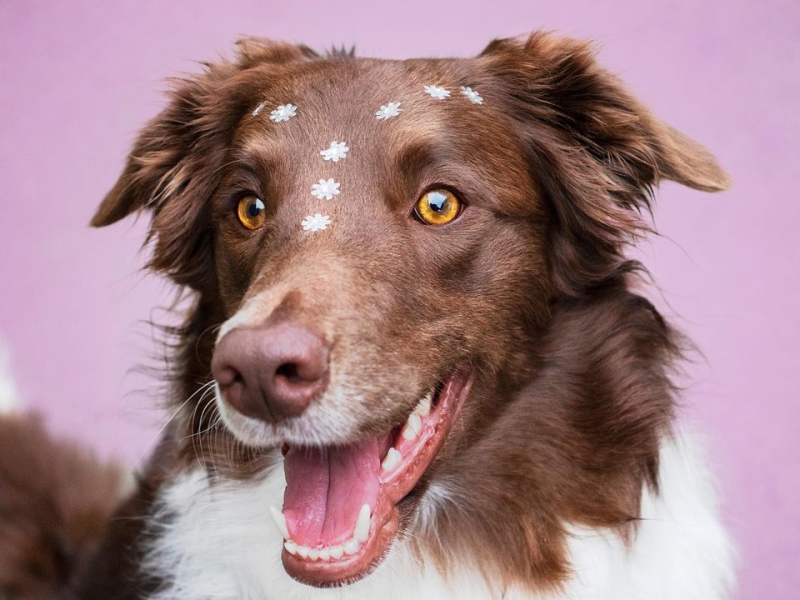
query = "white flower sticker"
{"x": 259, "y": 108}
{"x": 387, "y": 111}
{"x": 326, "y": 188}
{"x": 437, "y": 91}
{"x": 471, "y": 95}
{"x": 316, "y": 222}
{"x": 335, "y": 152}
{"x": 283, "y": 113}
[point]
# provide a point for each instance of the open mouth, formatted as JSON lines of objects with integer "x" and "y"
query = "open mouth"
{"x": 340, "y": 511}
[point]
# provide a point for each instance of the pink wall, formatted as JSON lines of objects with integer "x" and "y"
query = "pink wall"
{"x": 77, "y": 83}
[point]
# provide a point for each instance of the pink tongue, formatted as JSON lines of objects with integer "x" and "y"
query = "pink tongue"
{"x": 326, "y": 488}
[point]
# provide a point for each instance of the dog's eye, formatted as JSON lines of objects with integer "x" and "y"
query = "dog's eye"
{"x": 438, "y": 207}
{"x": 251, "y": 212}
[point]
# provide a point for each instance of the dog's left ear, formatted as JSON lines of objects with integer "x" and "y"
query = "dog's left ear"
{"x": 594, "y": 149}
{"x": 558, "y": 80}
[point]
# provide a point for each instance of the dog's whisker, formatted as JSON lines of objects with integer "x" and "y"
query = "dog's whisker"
{"x": 175, "y": 413}
{"x": 197, "y": 437}
{"x": 205, "y": 405}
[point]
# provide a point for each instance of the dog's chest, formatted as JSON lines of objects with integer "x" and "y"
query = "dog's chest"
{"x": 217, "y": 542}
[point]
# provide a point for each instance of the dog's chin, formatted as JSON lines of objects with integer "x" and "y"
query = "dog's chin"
{"x": 340, "y": 513}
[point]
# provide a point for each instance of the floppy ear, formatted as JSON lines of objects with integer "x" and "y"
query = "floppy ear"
{"x": 177, "y": 160}
{"x": 594, "y": 149}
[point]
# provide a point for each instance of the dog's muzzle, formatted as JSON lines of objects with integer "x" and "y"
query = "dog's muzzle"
{"x": 273, "y": 371}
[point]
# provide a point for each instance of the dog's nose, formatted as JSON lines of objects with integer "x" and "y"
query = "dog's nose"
{"x": 271, "y": 372}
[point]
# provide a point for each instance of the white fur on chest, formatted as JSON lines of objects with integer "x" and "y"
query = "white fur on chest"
{"x": 219, "y": 543}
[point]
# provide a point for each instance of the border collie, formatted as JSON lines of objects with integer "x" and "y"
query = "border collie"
{"x": 416, "y": 365}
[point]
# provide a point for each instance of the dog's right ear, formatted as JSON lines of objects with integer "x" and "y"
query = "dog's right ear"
{"x": 157, "y": 167}
{"x": 178, "y": 158}
{"x": 199, "y": 119}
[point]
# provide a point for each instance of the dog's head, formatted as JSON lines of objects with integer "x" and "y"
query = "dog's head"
{"x": 393, "y": 253}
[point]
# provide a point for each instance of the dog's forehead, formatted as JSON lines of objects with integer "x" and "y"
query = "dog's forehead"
{"x": 359, "y": 130}
{"x": 373, "y": 106}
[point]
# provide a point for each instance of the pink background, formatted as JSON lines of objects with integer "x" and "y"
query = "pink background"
{"x": 79, "y": 78}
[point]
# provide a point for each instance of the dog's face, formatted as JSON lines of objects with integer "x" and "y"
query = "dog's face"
{"x": 432, "y": 210}
{"x": 382, "y": 246}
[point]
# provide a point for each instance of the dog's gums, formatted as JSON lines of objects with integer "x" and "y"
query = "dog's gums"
{"x": 340, "y": 510}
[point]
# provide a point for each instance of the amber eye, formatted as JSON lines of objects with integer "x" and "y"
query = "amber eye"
{"x": 438, "y": 207}
{"x": 251, "y": 212}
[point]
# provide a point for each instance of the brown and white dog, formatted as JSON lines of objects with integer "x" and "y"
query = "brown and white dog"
{"x": 415, "y": 366}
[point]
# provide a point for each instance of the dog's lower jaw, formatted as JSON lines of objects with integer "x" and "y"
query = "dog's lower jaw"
{"x": 336, "y": 574}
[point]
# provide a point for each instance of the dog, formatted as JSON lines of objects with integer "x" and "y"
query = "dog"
{"x": 416, "y": 364}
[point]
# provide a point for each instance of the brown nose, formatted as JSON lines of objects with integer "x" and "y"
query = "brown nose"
{"x": 271, "y": 372}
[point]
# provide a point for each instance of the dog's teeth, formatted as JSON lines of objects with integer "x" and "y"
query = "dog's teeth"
{"x": 291, "y": 547}
{"x": 416, "y": 422}
{"x": 336, "y": 552}
{"x": 423, "y": 407}
{"x": 313, "y": 554}
{"x": 350, "y": 547}
{"x": 303, "y": 551}
{"x": 393, "y": 458}
{"x": 361, "y": 531}
{"x": 325, "y": 554}
{"x": 413, "y": 427}
{"x": 280, "y": 522}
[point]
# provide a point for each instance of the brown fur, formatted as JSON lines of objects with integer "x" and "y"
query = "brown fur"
{"x": 530, "y": 286}
{"x": 56, "y": 500}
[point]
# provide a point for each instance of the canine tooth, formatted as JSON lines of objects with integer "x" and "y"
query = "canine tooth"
{"x": 361, "y": 531}
{"x": 303, "y": 551}
{"x": 325, "y": 554}
{"x": 393, "y": 458}
{"x": 350, "y": 547}
{"x": 291, "y": 547}
{"x": 423, "y": 407}
{"x": 313, "y": 554}
{"x": 337, "y": 552}
{"x": 413, "y": 426}
{"x": 416, "y": 422}
{"x": 280, "y": 522}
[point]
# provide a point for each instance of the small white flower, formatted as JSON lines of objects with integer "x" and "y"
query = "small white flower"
{"x": 283, "y": 113}
{"x": 437, "y": 91}
{"x": 387, "y": 111}
{"x": 336, "y": 151}
{"x": 326, "y": 188}
{"x": 316, "y": 222}
{"x": 259, "y": 108}
{"x": 471, "y": 94}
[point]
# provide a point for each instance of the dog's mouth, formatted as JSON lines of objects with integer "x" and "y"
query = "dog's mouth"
{"x": 340, "y": 510}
